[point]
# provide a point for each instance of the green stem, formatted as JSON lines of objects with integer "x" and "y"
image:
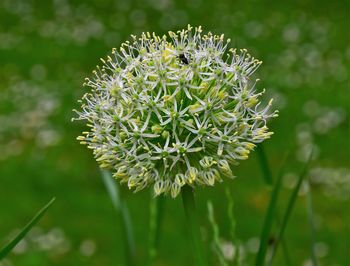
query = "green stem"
{"x": 284, "y": 247}
{"x": 216, "y": 234}
{"x": 232, "y": 219}
{"x": 156, "y": 218}
{"x": 121, "y": 208}
{"x": 191, "y": 216}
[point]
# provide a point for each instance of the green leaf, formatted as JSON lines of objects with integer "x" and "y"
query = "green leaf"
{"x": 290, "y": 207}
{"x": 7, "y": 249}
{"x": 267, "y": 175}
{"x": 269, "y": 218}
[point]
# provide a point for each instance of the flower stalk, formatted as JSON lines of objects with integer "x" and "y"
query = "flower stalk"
{"x": 192, "y": 219}
{"x": 125, "y": 221}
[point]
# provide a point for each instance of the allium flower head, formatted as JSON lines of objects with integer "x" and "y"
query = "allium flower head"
{"x": 173, "y": 110}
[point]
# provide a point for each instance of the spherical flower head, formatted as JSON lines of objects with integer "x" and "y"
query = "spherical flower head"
{"x": 173, "y": 111}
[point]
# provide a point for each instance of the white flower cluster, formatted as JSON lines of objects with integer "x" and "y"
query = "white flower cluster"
{"x": 175, "y": 111}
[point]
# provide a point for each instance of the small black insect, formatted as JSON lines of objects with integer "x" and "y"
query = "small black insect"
{"x": 183, "y": 59}
{"x": 272, "y": 240}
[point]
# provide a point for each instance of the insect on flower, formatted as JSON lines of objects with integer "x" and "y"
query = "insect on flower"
{"x": 183, "y": 59}
{"x": 153, "y": 122}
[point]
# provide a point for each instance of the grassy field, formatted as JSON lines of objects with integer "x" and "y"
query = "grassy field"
{"x": 47, "y": 48}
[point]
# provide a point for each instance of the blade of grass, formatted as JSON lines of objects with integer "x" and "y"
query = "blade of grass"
{"x": 121, "y": 208}
{"x": 192, "y": 219}
{"x": 7, "y": 249}
{"x": 267, "y": 175}
{"x": 269, "y": 218}
{"x": 311, "y": 224}
{"x": 156, "y": 218}
{"x": 286, "y": 256}
{"x": 290, "y": 207}
{"x": 268, "y": 178}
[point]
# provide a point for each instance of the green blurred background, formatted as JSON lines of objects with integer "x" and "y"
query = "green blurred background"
{"x": 47, "y": 48}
